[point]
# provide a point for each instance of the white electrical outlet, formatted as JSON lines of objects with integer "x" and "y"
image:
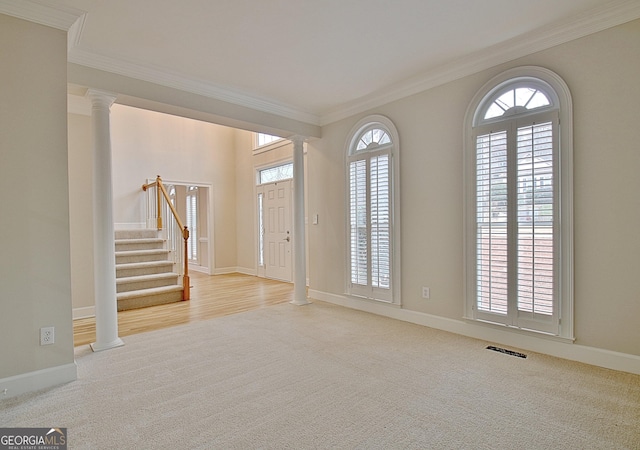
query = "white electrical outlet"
{"x": 47, "y": 335}
{"x": 426, "y": 292}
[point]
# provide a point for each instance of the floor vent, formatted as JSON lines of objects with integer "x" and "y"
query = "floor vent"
{"x": 506, "y": 352}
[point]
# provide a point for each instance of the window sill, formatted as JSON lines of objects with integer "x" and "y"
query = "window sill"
{"x": 271, "y": 146}
{"x": 521, "y": 331}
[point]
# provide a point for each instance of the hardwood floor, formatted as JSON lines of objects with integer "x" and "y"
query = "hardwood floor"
{"x": 211, "y": 296}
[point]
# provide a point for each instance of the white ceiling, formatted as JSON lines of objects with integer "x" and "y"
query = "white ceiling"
{"x": 319, "y": 60}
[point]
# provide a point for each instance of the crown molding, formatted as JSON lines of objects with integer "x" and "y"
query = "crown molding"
{"x": 59, "y": 16}
{"x": 78, "y": 105}
{"x": 178, "y": 81}
{"x": 75, "y": 32}
{"x": 592, "y": 21}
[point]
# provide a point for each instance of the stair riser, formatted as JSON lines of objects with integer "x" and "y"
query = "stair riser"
{"x": 130, "y": 246}
{"x": 142, "y": 302}
{"x": 136, "y": 234}
{"x": 146, "y": 284}
{"x": 123, "y": 272}
{"x": 125, "y": 259}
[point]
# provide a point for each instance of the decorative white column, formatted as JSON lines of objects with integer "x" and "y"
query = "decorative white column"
{"x": 299, "y": 241}
{"x": 103, "y": 230}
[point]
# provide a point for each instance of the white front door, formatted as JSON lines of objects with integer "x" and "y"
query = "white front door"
{"x": 277, "y": 230}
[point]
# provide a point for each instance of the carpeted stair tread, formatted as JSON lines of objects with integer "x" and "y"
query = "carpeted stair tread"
{"x": 149, "y": 297}
{"x": 153, "y": 251}
{"x": 138, "y": 233}
{"x": 139, "y": 244}
{"x": 138, "y": 240}
{"x": 139, "y": 265}
{"x": 148, "y": 292}
{"x": 137, "y": 278}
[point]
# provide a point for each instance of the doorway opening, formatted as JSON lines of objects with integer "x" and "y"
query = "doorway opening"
{"x": 191, "y": 200}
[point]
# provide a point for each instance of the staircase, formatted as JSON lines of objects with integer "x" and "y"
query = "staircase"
{"x": 144, "y": 274}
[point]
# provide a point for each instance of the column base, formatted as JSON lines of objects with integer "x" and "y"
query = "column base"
{"x": 96, "y": 347}
{"x": 302, "y": 302}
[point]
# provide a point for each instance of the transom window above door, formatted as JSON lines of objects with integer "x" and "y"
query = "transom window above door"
{"x": 275, "y": 173}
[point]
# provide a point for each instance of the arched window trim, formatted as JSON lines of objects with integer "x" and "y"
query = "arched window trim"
{"x": 560, "y": 97}
{"x": 362, "y": 126}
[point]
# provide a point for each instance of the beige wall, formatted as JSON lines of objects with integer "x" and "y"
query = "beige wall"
{"x": 81, "y": 214}
{"x": 601, "y": 71}
{"x": 35, "y": 287}
{"x": 245, "y": 203}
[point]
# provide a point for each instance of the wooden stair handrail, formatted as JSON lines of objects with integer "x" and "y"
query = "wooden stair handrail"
{"x": 186, "y": 288}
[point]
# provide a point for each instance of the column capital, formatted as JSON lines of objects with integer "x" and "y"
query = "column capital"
{"x": 99, "y": 97}
{"x": 297, "y": 139}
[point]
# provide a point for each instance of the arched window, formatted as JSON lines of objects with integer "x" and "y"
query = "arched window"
{"x": 518, "y": 199}
{"x": 372, "y": 209}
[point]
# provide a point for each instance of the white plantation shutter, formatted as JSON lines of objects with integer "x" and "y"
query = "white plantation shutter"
{"x": 380, "y": 223}
{"x": 358, "y": 221}
{"x": 491, "y": 219}
{"x": 535, "y": 219}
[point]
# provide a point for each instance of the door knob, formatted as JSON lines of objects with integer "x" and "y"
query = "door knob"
{"x": 288, "y": 239}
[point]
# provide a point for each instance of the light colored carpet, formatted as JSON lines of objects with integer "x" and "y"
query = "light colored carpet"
{"x": 322, "y": 376}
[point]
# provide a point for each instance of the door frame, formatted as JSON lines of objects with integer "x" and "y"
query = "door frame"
{"x": 209, "y": 240}
{"x": 261, "y": 268}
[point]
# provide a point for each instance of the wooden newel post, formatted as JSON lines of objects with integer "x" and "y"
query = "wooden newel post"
{"x": 159, "y": 206}
{"x": 186, "y": 288}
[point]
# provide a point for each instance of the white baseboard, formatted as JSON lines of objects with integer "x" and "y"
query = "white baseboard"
{"x": 36, "y": 380}
{"x": 224, "y": 270}
{"x": 247, "y": 271}
{"x": 200, "y": 269}
{"x": 228, "y": 270}
{"x": 81, "y": 313}
{"x": 559, "y": 348}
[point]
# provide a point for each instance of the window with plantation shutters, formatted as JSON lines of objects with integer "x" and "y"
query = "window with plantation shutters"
{"x": 371, "y": 213}
{"x": 192, "y": 223}
{"x": 518, "y": 249}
